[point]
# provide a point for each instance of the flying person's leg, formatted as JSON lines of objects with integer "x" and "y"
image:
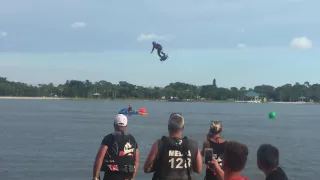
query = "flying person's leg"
{"x": 162, "y": 53}
{"x": 159, "y": 53}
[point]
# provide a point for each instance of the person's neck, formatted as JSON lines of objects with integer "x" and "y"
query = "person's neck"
{"x": 269, "y": 171}
{"x": 175, "y": 135}
{"x": 119, "y": 131}
{"x": 232, "y": 175}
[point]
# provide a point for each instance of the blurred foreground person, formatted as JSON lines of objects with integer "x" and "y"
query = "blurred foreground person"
{"x": 268, "y": 162}
{"x": 234, "y": 160}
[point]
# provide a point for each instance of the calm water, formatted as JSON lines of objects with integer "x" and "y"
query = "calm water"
{"x": 56, "y": 140}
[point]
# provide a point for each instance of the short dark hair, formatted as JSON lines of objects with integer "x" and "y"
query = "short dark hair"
{"x": 268, "y": 156}
{"x": 235, "y": 155}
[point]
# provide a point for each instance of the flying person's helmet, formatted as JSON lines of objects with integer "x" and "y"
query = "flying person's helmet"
{"x": 153, "y": 42}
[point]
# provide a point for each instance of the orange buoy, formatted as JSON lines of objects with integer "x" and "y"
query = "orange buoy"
{"x": 143, "y": 111}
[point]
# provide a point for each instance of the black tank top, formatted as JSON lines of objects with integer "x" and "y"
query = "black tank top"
{"x": 120, "y": 157}
{"x": 175, "y": 159}
{"x": 218, "y": 149}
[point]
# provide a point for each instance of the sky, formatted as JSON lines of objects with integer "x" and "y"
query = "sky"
{"x": 238, "y": 42}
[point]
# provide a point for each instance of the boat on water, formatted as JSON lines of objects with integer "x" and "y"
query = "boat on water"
{"x": 142, "y": 111}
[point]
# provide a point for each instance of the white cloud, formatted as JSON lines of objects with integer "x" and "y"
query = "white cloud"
{"x": 77, "y": 25}
{"x": 155, "y": 37}
{"x": 3, "y": 34}
{"x": 301, "y": 43}
{"x": 241, "y": 46}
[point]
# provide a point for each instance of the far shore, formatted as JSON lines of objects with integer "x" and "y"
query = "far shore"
{"x": 136, "y": 99}
{"x": 40, "y": 98}
{"x": 118, "y": 99}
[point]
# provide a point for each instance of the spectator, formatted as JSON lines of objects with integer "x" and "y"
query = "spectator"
{"x": 118, "y": 155}
{"x": 268, "y": 162}
{"x": 217, "y": 144}
{"x": 234, "y": 160}
{"x": 174, "y": 157}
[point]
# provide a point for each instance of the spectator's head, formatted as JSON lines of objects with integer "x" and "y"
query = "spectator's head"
{"x": 215, "y": 128}
{"x": 267, "y": 157}
{"x": 235, "y": 156}
{"x": 175, "y": 123}
{"x": 120, "y": 122}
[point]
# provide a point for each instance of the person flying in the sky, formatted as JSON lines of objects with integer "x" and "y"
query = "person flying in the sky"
{"x": 158, "y": 47}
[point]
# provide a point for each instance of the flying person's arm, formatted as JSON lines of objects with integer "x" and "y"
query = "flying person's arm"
{"x": 152, "y": 49}
{"x": 148, "y": 164}
{"x": 98, "y": 161}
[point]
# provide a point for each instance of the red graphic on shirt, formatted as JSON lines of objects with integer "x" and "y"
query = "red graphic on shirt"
{"x": 113, "y": 167}
{"x": 121, "y": 153}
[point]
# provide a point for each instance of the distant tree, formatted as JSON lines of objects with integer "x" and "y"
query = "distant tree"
{"x": 214, "y": 84}
{"x": 84, "y": 89}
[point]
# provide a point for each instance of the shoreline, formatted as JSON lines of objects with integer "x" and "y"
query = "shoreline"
{"x": 156, "y": 100}
{"x": 104, "y": 99}
{"x": 31, "y": 98}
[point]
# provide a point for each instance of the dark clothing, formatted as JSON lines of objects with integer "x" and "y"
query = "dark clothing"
{"x": 175, "y": 159}
{"x": 119, "y": 161}
{"x": 160, "y": 53}
{"x": 218, "y": 149}
{"x": 278, "y": 174}
{"x": 116, "y": 176}
{"x": 158, "y": 47}
{"x": 129, "y": 108}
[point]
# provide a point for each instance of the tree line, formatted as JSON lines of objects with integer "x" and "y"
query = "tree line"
{"x": 178, "y": 90}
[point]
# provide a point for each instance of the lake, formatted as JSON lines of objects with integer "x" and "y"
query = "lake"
{"x": 58, "y": 139}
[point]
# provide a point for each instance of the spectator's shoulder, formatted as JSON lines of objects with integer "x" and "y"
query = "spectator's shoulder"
{"x": 131, "y": 136}
{"x": 106, "y": 141}
{"x": 108, "y": 136}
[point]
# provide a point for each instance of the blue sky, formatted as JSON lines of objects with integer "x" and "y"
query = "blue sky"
{"x": 238, "y": 42}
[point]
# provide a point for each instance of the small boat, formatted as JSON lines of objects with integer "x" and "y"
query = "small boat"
{"x": 142, "y": 111}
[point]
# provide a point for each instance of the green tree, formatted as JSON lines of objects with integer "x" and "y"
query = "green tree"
{"x": 214, "y": 83}
{"x": 181, "y": 90}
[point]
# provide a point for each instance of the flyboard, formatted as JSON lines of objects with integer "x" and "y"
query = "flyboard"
{"x": 165, "y": 57}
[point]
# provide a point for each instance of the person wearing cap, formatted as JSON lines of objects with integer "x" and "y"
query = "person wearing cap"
{"x": 118, "y": 155}
{"x": 217, "y": 144}
{"x": 174, "y": 157}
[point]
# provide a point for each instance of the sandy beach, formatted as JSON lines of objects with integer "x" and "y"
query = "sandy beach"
{"x": 38, "y": 98}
